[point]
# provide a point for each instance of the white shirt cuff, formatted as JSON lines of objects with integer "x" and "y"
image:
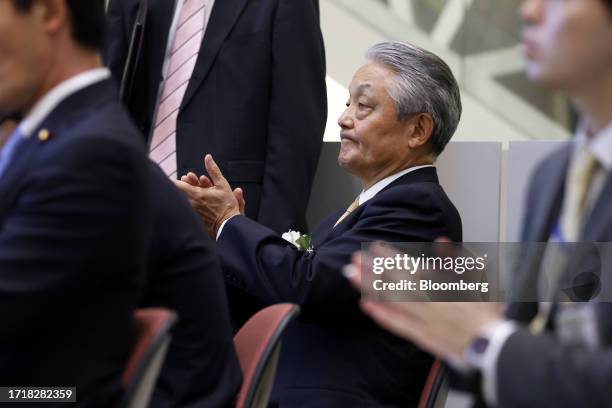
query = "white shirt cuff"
{"x": 223, "y": 225}
{"x": 497, "y": 334}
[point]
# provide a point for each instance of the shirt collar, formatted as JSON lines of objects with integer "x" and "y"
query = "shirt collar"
{"x": 600, "y": 145}
{"x": 55, "y": 96}
{"x": 376, "y": 188}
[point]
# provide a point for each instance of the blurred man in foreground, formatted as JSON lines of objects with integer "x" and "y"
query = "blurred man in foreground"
{"x": 393, "y": 129}
{"x": 73, "y": 207}
{"x": 80, "y": 246}
{"x": 568, "y": 45}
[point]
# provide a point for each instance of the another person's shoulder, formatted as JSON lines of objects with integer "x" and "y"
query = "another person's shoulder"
{"x": 550, "y": 163}
{"x": 105, "y": 130}
{"x": 110, "y": 123}
{"x": 95, "y": 141}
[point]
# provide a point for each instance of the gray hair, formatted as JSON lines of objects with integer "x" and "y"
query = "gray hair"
{"x": 423, "y": 84}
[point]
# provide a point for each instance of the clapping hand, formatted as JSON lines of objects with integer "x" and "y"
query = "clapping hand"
{"x": 212, "y": 198}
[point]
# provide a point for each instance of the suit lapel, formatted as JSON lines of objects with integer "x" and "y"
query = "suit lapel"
{"x": 547, "y": 207}
{"x": 164, "y": 12}
{"x": 157, "y": 30}
{"x": 601, "y": 217}
{"x": 346, "y": 224}
{"x": 224, "y": 15}
{"x": 324, "y": 229}
{"x": 544, "y": 212}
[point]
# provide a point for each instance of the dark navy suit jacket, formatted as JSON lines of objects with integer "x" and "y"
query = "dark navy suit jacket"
{"x": 335, "y": 356}
{"x": 256, "y": 100}
{"x": 73, "y": 231}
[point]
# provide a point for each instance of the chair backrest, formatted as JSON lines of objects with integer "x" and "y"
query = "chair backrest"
{"x": 258, "y": 347}
{"x": 152, "y": 327}
{"x": 435, "y": 390}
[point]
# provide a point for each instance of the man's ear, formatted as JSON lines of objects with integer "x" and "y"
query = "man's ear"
{"x": 423, "y": 126}
{"x": 52, "y": 14}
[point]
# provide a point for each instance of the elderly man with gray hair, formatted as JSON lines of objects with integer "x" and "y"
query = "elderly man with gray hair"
{"x": 404, "y": 106}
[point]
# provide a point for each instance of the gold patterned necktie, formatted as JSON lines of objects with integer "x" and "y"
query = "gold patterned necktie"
{"x": 579, "y": 177}
{"x": 349, "y": 210}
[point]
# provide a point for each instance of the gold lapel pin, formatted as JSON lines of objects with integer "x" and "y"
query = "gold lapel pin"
{"x": 44, "y": 135}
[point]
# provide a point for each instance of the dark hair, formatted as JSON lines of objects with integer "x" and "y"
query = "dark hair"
{"x": 87, "y": 18}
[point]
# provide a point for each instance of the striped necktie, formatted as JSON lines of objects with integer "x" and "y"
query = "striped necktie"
{"x": 183, "y": 56}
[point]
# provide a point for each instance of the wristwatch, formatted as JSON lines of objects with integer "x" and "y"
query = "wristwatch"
{"x": 474, "y": 355}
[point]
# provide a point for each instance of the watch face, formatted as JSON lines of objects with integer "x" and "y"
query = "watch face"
{"x": 480, "y": 345}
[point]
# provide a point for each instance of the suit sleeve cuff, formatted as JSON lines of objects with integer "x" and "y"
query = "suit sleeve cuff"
{"x": 497, "y": 334}
{"x": 223, "y": 225}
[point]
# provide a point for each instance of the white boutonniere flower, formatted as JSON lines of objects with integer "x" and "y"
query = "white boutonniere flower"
{"x": 301, "y": 242}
